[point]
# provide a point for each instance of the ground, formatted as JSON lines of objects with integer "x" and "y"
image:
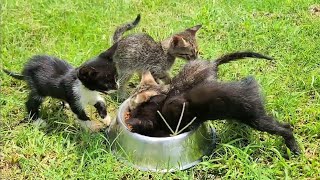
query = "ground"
{"x": 78, "y": 30}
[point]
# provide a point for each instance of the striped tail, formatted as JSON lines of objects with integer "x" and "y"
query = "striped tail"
{"x": 120, "y": 30}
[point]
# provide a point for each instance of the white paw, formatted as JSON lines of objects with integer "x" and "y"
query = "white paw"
{"x": 39, "y": 123}
{"x": 93, "y": 126}
{"x": 106, "y": 120}
{"x": 67, "y": 105}
{"x": 111, "y": 91}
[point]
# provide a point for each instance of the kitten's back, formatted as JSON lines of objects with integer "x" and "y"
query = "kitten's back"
{"x": 45, "y": 73}
{"x": 139, "y": 52}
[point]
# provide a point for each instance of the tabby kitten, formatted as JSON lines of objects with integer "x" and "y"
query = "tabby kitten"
{"x": 140, "y": 52}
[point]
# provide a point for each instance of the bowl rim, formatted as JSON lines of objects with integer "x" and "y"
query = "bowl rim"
{"x": 119, "y": 118}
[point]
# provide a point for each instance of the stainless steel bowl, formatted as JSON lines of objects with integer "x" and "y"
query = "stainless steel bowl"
{"x": 161, "y": 154}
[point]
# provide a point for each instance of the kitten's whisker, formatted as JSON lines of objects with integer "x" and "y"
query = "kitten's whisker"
{"x": 181, "y": 115}
{"x": 187, "y": 125}
{"x": 165, "y": 122}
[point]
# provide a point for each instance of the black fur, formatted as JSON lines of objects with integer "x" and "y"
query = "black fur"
{"x": 198, "y": 71}
{"x": 240, "y": 101}
{"x": 192, "y": 74}
{"x": 50, "y": 76}
{"x": 145, "y": 118}
{"x": 206, "y": 99}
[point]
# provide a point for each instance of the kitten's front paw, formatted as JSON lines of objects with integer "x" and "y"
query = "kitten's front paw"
{"x": 107, "y": 120}
{"x": 134, "y": 125}
{"x": 39, "y": 123}
{"x": 122, "y": 96}
{"x": 92, "y": 126}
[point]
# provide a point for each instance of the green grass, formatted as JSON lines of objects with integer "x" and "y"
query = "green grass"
{"x": 79, "y": 30}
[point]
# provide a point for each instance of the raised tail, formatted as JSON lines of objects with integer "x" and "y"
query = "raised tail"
{"x": 14, "y": 75}
{"x": 120, "y": 30}
{"x": 239, "y": 55}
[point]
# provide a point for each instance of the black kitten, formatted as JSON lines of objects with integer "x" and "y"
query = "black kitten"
{"x": 145, "y": 119}
{"x": 50, "y": 76}
{"x": 240, "y": 101}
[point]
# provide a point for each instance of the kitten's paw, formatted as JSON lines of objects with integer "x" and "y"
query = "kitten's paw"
{"x": 92, "y": 126}
{"x": 65, "y": 105}
{"x": 107, "y": 120}
{"x": 39, "y": 123}
{"x": 122, "y": 96}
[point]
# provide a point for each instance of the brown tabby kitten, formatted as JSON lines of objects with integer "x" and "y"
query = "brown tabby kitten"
{"x": 140, "y": 52}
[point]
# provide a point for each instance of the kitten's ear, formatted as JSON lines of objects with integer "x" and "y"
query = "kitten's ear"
{"x": 178, "y": 41}
{"x": 193, "y": 30}
{"x": 147, "y": 79}
{"x": 87, "y": 72}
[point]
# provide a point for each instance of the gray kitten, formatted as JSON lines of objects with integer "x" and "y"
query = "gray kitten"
{"x": 140, "y": 52}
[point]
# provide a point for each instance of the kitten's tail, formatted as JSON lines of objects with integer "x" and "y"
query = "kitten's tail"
{"x": 14, "y": 75}
{"x": 239, "y": 55}
{"x": 120, "y": 30}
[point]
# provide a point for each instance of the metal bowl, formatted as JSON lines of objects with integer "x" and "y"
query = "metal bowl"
{"x": 160, "y": 154}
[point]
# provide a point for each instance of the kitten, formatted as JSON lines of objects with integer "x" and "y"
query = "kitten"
{"x": 144, "y": 119}
{"x": 140, "y": 52}
{"x": 147, "y": 88}
{"x": 193, "y": 72}
{"x": 240, "y": 101}
{"x": 198, "y": 71}
{"x": 50, "y": 76}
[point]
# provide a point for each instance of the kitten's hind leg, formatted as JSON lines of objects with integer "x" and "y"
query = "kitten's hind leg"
{"x": 268, "y": 124}
{"x": 122, "y": 82}
{"x": 33, "y": 103}
{"x": 163, "y": 76}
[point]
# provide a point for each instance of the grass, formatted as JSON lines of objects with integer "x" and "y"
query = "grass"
{"x": 79, "y": 30}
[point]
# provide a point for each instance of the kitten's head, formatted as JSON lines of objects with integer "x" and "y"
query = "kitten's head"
{"x": 98, "y": 75}
{"x": 147, "y": 88}
{"x": 184, "y": 44}
{"x": 172, "y": 108}
{"x": 144, "y": 118}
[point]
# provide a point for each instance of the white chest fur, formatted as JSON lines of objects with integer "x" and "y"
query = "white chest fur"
{"x": 86, "y": 96}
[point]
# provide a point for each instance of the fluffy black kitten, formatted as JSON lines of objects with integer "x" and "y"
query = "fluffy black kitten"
{"x": 50, "y": 76}
{"x": 240, "y": 101}
{"x": 145, "y": 119}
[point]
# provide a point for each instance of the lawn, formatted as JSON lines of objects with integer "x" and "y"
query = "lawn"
{"x": 78, "y": 30}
